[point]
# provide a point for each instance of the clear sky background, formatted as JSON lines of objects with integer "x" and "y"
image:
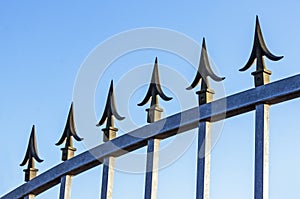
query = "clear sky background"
{"x": 43, "y": 45}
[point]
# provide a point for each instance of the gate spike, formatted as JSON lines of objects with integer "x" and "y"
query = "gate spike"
{"x": 204, "y": 71}
{"x": 110, "y": 109}
{"x": 109, "y": 133}
{"x": 30, "y": 156}
{"x": 69, "y": 132}
{"x": 154, "y": 90}
{"x": 32, "y": 151}
{"x": 259, "y": 50}
{"x": 110, "y": 112}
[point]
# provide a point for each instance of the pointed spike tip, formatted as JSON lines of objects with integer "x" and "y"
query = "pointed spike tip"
{"x": 110, "y": 108}
{"x": 204, "y": 69}
{"x": 257, "y": 25}
{"x": 32, "y": 130}
{"x": 259, "y": 50}
{"x": 31, "y": 151}
{"x": 154, "y": 88}
{"x": 204, "y": 43}
{"x": 155, "y": 60}
{"x": 70, "y": 128}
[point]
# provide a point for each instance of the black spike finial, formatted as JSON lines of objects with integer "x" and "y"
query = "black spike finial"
{"x": 204, "y": 71}
{"x": 68, "y": 133}
{"x": 30, "y": 156}
{"x": 110, "y": 112}
{"x": 261, "y": 75}
{"x": 153, "y": 91}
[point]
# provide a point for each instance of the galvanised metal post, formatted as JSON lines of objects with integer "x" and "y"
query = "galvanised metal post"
{"x": 109, "y": 133}
{"x": 205, "y": 95}
{"x": 68, "y": 152}
{"x": 30, "y": 156}
{"x": 153, "y": 145}
{"x": 261, "y": 77}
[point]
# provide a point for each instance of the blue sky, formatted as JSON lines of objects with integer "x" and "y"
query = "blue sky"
{"x": 44, "y": 45}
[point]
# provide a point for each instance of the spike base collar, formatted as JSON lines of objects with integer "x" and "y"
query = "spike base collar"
{"x": 205, "y": 96}
{"x": 30, "y": 173}
{"x": 153, "y": 114}
{"x": 67, "y": 153}
{"x": 261, "y": 77}
{"x": 109, "y": 133}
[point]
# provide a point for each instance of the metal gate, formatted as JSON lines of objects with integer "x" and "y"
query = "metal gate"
{"x": 258, "y": 99}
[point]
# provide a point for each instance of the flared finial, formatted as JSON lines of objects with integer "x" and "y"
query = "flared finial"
{"x": 30, "y": 156}
{"x": 261, "y": 75}
{"x": 110, "y": 112}
{"x": 68, "y": 133}
{"x": 204, "y": 71}
{"x": 153, "y": 92}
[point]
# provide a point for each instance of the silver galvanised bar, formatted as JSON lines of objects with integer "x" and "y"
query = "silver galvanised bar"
{"x": 261, "y": 77}
{"x": 108, "y": 167}
{"x": 272, "y": 93}
{"x": 68, "y": 152}
{"x": 205, "y": 95}
{"x": 153, "y": 144}
{"x": 65, "y": 187}
{"x": 109, "y": 133}
{"x": 261, "y": 176}
{"x": 203, "y": 161}
{"x": 152, "y": 164}
{"x": 30, "y": 156}
{"x": 107, "y": 177}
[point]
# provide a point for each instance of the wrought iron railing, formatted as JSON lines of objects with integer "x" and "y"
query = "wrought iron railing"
{"x": 260, "y": 99}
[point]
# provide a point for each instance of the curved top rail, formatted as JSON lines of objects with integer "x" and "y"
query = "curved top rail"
{"x": 272, "y": 93}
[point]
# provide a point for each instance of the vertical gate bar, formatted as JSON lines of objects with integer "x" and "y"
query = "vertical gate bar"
{"x": 29, "y": 159}
{"x": 203, "y": 160}
{"x": 107, "y": 178}
{"x": 153, "y": 145}
{"x": 109, "y": 133}
{"x": 261, "y": 180}
{"x": 108, "y": 167}
{"x": 152, "y": 168}
{"x": 68, "y": 152}
{"x": 261, "y": 77}
{"x": 65, "y": 187}
{"x": 205, "y": 95}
